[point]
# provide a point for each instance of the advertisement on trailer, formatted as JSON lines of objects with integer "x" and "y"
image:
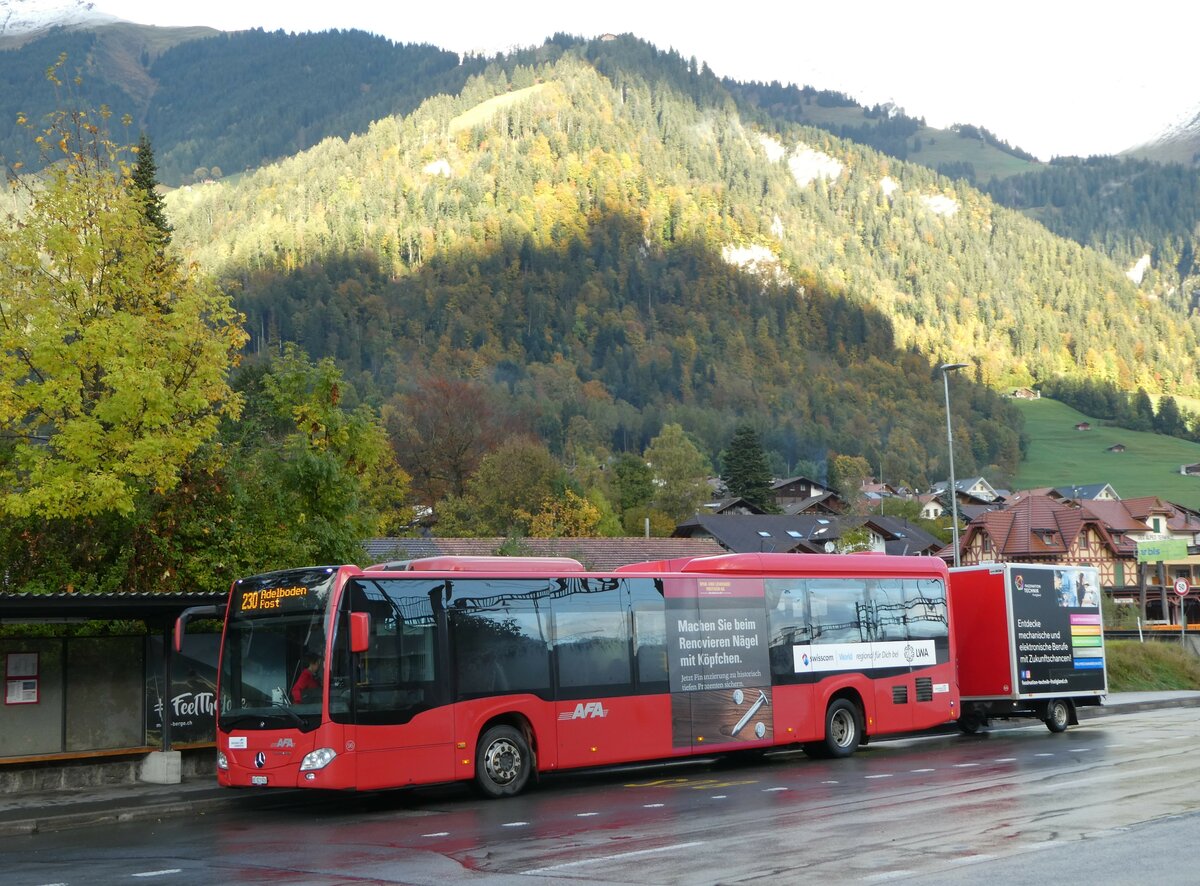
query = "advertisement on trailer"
{"x": 1058, "y": 637}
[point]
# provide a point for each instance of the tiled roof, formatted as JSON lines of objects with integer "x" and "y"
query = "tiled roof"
{"x": 596, "y": 554}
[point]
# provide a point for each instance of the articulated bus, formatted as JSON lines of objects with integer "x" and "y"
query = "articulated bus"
{"x": 497, "y": 669}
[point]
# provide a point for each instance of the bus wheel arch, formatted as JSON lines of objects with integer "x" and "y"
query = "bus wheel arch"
{"x": 505, "y": 756}
{"x": 844, "y": 729}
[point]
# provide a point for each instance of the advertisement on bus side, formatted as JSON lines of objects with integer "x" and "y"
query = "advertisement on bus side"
{"x": 718, "y": 662}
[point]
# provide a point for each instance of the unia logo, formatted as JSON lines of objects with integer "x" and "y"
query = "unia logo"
{"x": 584, "y": 711}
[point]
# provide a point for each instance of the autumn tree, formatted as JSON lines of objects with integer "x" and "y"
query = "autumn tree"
{"x": 511, "y": 484}
{"x": 567, "y": 516}
{"x": 746, "y": 473}
{"x": 440, "y": 431}
{"x": 113, "y": 361}
{"x": 680, "y": 470}
{"x": 847, "y": 473}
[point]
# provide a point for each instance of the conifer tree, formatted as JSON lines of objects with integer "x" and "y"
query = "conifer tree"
{"x": 747, "y": 474}
{"x": 144, "y": 177}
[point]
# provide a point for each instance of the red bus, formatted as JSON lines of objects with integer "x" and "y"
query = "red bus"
{"x": 496, "y": 669}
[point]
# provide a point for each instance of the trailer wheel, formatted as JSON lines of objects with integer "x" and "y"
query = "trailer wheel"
{"x": 1058, "y": 715}
{"x": 843, "y": 731}
{"x": 503, "y": 762}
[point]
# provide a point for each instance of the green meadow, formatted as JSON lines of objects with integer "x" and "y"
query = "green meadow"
{"x": 1059, "y": 455}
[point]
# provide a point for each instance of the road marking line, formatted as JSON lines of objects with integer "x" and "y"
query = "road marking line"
{"x": 889, "y": 875}
{"x": 585, "y": 814}
{"x": 438, "y": 834}
{"x": 830, "y": 782}
{"x": 770, "y": 790}
{"x": 618, "y": 856}
{"x": 1043, "y": 755}
{"x": 971, "y": 859}
{"x": 922, "y": 770}
{"x": 1005, "y": 760}
{"x": 158, "y": 873}
{"x": 884, "y": 775}
{"x": 515, "y": 824}
{"x": 964, "y": 765}
{"x": 717, "y": 797}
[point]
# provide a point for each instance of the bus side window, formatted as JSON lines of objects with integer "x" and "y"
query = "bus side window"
{"x": 787, "y": 615}
{"x": 839, "y": 611}
{"x": 591, "y": 638}
{"x": 649, "y": 635}
{"x": 501, "y": 636}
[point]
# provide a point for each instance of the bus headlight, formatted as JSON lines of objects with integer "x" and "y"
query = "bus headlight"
{"x": 222, "y": 760}
{"x": 318, "y": 759}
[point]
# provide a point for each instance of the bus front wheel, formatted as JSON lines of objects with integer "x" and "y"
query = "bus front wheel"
{"x": 843, "y": 731}
{"x": 503, "y": 762}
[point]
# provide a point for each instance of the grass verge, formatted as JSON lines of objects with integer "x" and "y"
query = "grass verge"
{"x": 1150, "y": 667}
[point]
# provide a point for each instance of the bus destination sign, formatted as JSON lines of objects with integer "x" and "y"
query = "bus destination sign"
{"x": 273, "y": 599}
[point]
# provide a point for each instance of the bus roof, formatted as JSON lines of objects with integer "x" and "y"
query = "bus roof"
{"x": 526, "y": 565}
{"x": 793, "y": 564}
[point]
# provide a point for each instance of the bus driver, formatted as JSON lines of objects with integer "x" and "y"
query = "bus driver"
{"x": 307, "y": 687}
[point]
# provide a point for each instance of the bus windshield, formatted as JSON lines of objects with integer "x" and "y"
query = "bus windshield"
{"x": 275, "y": 631}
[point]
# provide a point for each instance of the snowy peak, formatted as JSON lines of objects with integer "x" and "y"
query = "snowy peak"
{"x": 21, "y": 18}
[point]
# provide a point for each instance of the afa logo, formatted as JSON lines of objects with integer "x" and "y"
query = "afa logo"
{"x": 585, "y": 711}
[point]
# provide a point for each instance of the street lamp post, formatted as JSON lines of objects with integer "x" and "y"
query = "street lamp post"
{"x": 946, "y": 369}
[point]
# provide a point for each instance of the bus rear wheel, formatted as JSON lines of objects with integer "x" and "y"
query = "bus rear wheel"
{"x": 843, "y": 731}
{"x": 503, "y": 762}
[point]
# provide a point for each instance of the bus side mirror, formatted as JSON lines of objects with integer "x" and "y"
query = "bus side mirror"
{"x": 360, "y": 631}
{"x": 191, "y": 613}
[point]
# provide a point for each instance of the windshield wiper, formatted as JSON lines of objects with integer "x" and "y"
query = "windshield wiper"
{"x": 276, "y": 713}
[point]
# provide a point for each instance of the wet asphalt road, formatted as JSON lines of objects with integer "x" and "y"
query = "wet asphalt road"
{"x": 1113, "y": 800}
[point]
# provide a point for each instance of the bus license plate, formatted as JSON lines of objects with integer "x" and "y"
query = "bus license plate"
{"x": 258, "y": 779}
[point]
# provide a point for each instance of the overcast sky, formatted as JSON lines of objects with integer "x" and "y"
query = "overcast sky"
{"x": 1054, "y": 77}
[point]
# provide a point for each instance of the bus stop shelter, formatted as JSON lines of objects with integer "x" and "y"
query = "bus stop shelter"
{"x": 79, "y": 697}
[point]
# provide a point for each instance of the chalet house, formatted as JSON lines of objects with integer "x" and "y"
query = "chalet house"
{"x": 735, "y": 505}
{"x": 1044, "y": 529}
{"x": 1116, "y": 447}
{"x": 805, "y": 533}
{"x": 1048, "y": 527}
{"x": 1192, "y": 470}
{"x": 830, "y": 504}
{"x": 795, "y": 490}
{"x": 931, "y": 506}
{"x": 1025, "y": 394}
{"x": 1083, "y": 426}
{"x": 973, "y": 490}
{"x": 1085, "y": 492}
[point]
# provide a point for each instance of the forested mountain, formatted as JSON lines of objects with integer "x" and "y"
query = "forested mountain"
{"x": 232, "y": 101}
{"x": 218, "y": 104}
{"x": 1127, "y": 208}
{"x": 615, "y": 235}
{"x": 570, "y": 232}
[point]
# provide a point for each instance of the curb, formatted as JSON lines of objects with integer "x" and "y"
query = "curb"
{"x": 1133, "y": 707}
